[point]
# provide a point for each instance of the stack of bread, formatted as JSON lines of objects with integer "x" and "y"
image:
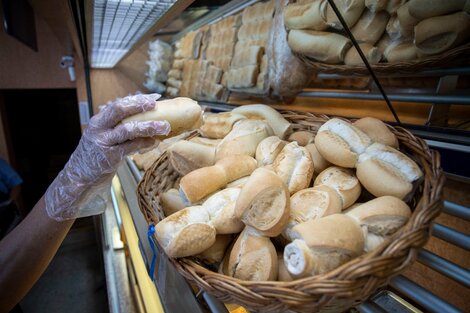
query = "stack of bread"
{"x": 264, "y": 203}
{"x": 160, "y": 58}
{"x": 387, "y": 30}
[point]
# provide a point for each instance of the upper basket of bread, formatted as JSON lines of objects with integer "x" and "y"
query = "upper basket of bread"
{"x": 287, "y": 210}
{"x": 395, "y": 35}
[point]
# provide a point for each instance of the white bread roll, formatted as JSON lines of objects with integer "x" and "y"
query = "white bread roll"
{"x": 253, "y": 257}
{"x": 239, "y": 183}
{"x": 376, "y": 5}
{"x": 341, "y": 143}
{"x": 200, "y": 183}
{"x": 268, "y": 149}
{"x": 171, "y": 202}
{"x": 351, "y": 11}
{"x": 306, "y": 16}
{"x": 343, "y": 181}
{"x": 384, "y": 171}
{"x": 322, "y": 46}
{"x": 370, "y": 27}
{"x": 187, "y": 156}
{"x": 216, "y": 252}
{"x": 383, "y": 43}
{"x": 220, "y": 124}
{"x": 377, "y": 131}
{"x": 280, "y": 126}
{"x": 181, "y": 113}
{"x": 243, "y": 139}
{"x": 371, "y": 53}
{"x": 323, "y": 245}
{"x": 185, "y": 232}
{"x": 393, "y": 5}
{"x": 294, "y": 166}
{"x": 407, "y": 22}
{"x": 302, "y": 137}
{"x": 393, "y": 28}
{"x": 221, "y": 208}
{"x": 379, "y": 218}
{"x": 438, "y": 34}
{"x": 282, "y": 274}
{"x": 319, "y": 162}
{"x": 401, "y": 51}
{"x": 423, "y": 9}
{"x": 263, "y": 203}
{"x": 312, "y": 203}
{"x": 206, "y": 141}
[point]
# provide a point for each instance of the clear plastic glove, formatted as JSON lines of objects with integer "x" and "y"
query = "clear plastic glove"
{"x": 103, "y": 146}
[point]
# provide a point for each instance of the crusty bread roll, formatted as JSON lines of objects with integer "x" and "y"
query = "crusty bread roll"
{"x": 383, "y": 43}
{"x": 401, "y": 51}
{"x": 370, "y": 27}
{"x": 263, "y": 203}
{"x": 216, "y": 252}
{"x": 423, "y": 9}
{"x": 186, "y": 232}
{"x": 187, "y": 156}
{"x": 319, "y": 162}
{"x": 243, "y": 138}
{"x": 323, "y": 245}
{"x": 312, "y": 203}
{"x": 407, "y": 22}
{"x": 294, "y": 166}
{"x": 377, "y": 131}
{"x": 351, "y": 11}
{"x": 341, "y": 143}
{"x": 268, "y": 149}
{"x": 206, "y": 141}
{"x": 438, "y": 34}
{"x": 202, "y": 182}
{"x": 306, "y": 16}
{"x": 393, "y": 28}
{"x": 181, "y": 113}
{"x": 282, "y": 274}
{"x": 371, "y": 53}
{"x": 384, "y": 171}
{"x": 393, "y": 5}
{"x": 303, "y": 137}
{"x": 239, "y": 183}
{"x": 322, "y": 46}
{"x": 171, "y": 202}
{"x": 379, "y": 218}
{"x": 343, "y": 181}
{"x": 376, "y": 5}
{"x": 253, "y": 257}
{"x": 280, "y": 126}
{"x": 220, "y": 124}
{"x": 221, "y": 208}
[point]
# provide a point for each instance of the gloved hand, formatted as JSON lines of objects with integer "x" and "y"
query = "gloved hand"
{"x": 102, "y": 147}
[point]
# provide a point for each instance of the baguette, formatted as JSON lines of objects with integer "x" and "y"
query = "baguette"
{"x": 377, "y": 131}
{"x": 306, "y": 16}
{"x": 370, "y": 27}
{"x": 343, "y": 181}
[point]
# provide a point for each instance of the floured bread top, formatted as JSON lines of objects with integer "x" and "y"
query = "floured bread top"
{"x": 337, "y": 178}
{"x": 357, "y": 139}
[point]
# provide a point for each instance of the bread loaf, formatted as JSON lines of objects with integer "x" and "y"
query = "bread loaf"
{"x": 186, "y": 156}
{"x": 221, "y": 208}
{"x": 243, "y": 77}
{"x": 263, "y": 203}
{"x": 249, "y": 56}
{"x": 253, "y": 257}
{"x": 371, "y": 53}
{"x": 376, "y": 5}
{"x": 323, "y": 245}
{"x": 343, "y": 181}
{"x": 303, "y": 138}
{"x": 214, "y": 74}
{"x": 423, "y": 9}
{"x": 171, "y": 202}
{"x": 220, "y": 124}
{"x": 383, "y": 43}
{"x": 370, "y": 27}
{"x": 268, "y": 149}
{"x": 181, "y": 113}
{"x": 294, "y": 166}
{"x": 406, "y": 21}
{"x": 351, "y": 11}
{"x": 306, "y": 16}
{"x": 384, "y": 171}
{"x": 322, "y": 46}
{"x": 216, "y": 252}
{"x": 377, "y": 131}
{"x": 319, "y": 162}
{"x": 185, "y": 232}
{"x": 341, "y": 143}
{"x": 401, "y": 51}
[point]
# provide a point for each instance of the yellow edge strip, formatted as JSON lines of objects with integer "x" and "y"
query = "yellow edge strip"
{"x": 148, "y": 290}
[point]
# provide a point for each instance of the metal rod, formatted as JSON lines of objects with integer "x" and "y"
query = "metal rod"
{"x": 364, "y": 59}
{"x": 455, "y": 209}
{"x": 448, "y": 146}
{"x": 443, "y": 266}
{"x": 439, "y": 99}
{"x": 215, "y": 305}
{"x": 423, "y": 297}
{"x": 426, "y": 73}
{"x": 370, "y": 307}
{"x": 451, "y": 236}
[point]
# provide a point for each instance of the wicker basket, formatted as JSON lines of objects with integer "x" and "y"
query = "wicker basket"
{"x": 339, "y": 289}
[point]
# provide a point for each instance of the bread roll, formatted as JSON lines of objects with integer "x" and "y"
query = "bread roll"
{"x": 319, "y": 162}
{"x": 401, "y": 51}
{"x": 377, "y": 131}
{"x": 341, "y": 143}
{"x": 175, "y": 74}
{"x": 376, "y": 5}
{"x": 322, "y": 46}
{"x": 200, "y": 183}
{"x": 306, "y": 16}
{"x": 243, "y": 139}
{"x": 206, "y": 141}
{"x": 294, "y": 166}
{"x": 181, "y": 113}
{"x": 371, "y": 53}
{"x": 171, "y": 202}
{"x": 221, "y": 208}
{"x": 268, "y": 149}
{"x": 239, "y": 183}
{"x": 186, "y": 156}
{"x": 178, "y": 64}
{"x": 303, "y": 138}
{"x": 423, "y": 9}
{"x": 407, "y": 22}
{"x": 323, "y": 245}
{"x": 438, "y": 34}
{"x": 174, "y": 83}
{"x": 253, "y": 257}
{"x": 280, "y": 126}
{"x": 351, "y": 11}
{"x": 185, "y": 232}
{"x": 343, "y": 181}
{"x": 379, "y": 218}
{"x": 384, "y": 171}
{"x": 393, "y": 5}
{"x": 383, "y": 43}
{"x": 311, "y": 203}
{"x": 282, "y": 274}
{"x": 263, "y": 203}
{"x": 216, "y": 252}
{"x": 172, "y": 92}
{"x": 220, "y": 124}
{"x": 370, "y": 27}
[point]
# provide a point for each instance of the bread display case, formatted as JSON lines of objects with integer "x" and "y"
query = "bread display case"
{"x": 239, "y": 54}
